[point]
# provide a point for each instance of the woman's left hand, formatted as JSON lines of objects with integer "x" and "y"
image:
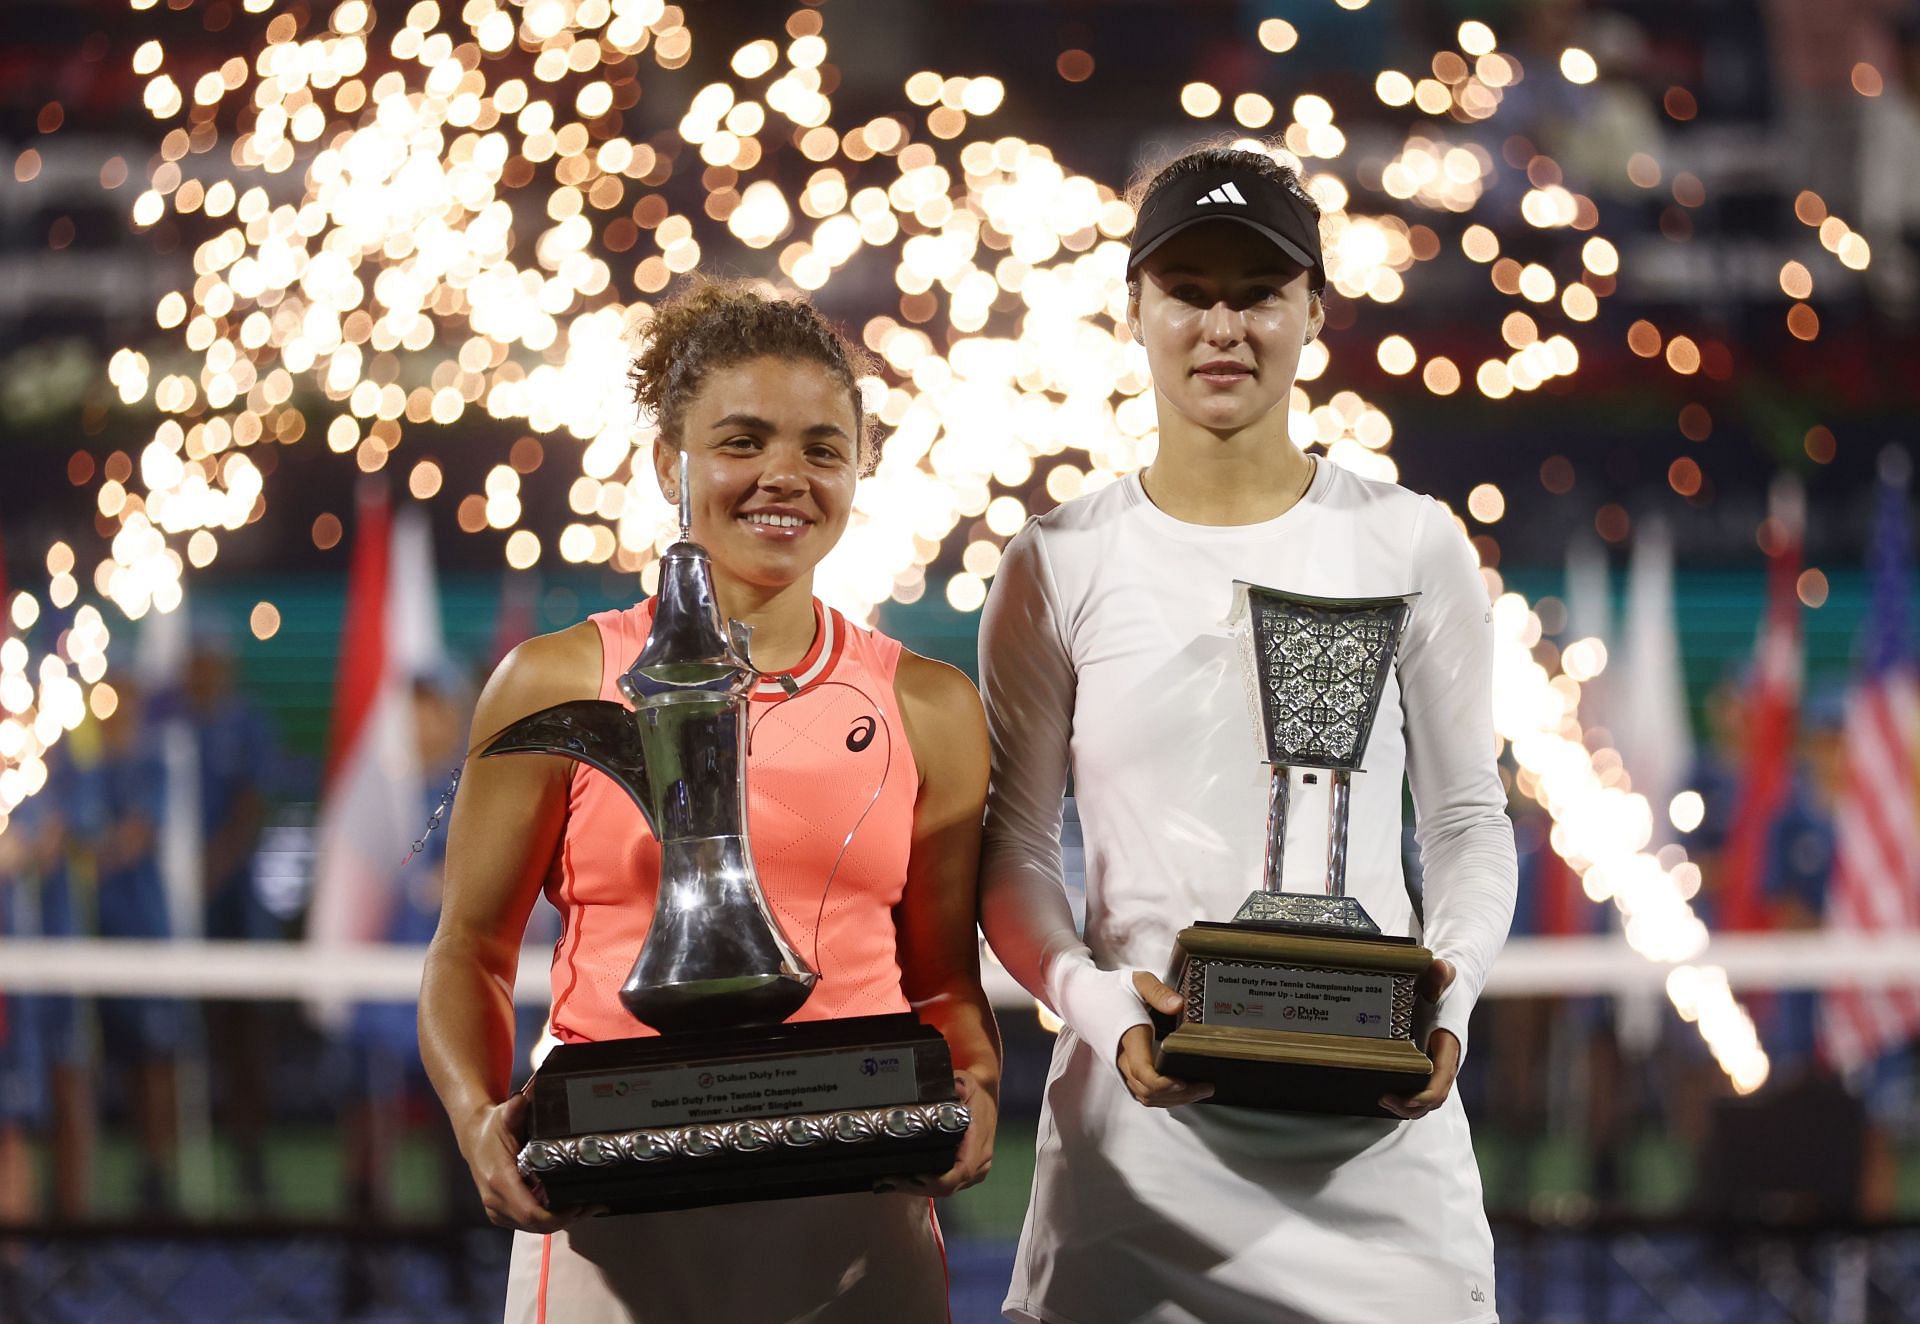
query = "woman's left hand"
{"x": 975, "y": 1159}
{"x": 1442, "y": 1046}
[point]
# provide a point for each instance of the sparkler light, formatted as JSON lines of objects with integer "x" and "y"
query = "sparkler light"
{"x": 399, "y": 230}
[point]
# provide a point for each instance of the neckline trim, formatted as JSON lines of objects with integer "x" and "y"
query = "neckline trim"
{"x": 829, "y": 641}
{"x": 1137, "y": 498}
{"x": 828, "y": 633}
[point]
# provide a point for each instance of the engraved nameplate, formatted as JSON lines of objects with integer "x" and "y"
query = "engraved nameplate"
{"x": 1270, "y": 997}
{"x": 723, "y": 1091}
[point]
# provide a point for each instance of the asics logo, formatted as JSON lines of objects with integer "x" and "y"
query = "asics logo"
{"x": 862, "y": 734}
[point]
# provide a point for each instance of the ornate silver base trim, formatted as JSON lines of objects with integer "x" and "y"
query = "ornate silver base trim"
{"x": 599, "y": 1151}
{"x": 1333, "y": 912}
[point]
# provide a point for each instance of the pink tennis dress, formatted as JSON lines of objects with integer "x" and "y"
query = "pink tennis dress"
{"x": 831, "y": 790}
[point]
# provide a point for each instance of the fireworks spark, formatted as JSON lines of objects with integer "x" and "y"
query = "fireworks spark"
{"x": 473, "y": 229}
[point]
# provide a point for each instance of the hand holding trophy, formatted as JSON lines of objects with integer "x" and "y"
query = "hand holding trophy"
{"x": 1300, "y": 1003}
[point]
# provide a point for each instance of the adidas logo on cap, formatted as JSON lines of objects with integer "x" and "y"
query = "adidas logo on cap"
{"x": 1225, "y": 193}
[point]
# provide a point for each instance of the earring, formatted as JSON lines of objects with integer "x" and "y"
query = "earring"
{"x": 672, "y": 495}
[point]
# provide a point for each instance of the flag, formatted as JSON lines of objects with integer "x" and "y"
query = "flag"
{"x": 372, "y": 801}
{"x": 1652, "y": 732}
{"x": 1772, "y": 711}
{"x": 159, "y": 664}
{"x": 1876, "y": 867}
{"x": 1590, "y": 616}
{"x": 1561, "y": 905}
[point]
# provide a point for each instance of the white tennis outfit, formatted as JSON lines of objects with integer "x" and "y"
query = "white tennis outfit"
{"x": 1104, "y": 652}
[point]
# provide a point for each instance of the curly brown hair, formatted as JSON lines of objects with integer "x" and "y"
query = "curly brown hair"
{"x": 716, "y": 324}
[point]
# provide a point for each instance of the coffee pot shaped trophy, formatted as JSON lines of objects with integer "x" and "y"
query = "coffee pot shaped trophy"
{"x": 726, "y": 1102}
{"x": 1301, "y": 1004}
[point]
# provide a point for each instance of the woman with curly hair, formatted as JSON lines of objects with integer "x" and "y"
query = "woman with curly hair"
{"x": 762, "y": 397}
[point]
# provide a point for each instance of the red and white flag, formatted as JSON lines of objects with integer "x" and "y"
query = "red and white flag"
{"x": 1651, "y": 729}
{"x": 1772, "y": 716}
{"x": 1876, "y": 867}
{"x": 372, "y": 801}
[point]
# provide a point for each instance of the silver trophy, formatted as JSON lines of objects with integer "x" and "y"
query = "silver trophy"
{"x": 1300, "y": 1003}
{"x": 726, "y": 1103}
{"x": 715, "y": 956}
{"x": 1315, "y": 669}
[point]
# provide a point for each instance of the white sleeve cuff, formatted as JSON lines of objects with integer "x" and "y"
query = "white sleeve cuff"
{"x": 1455, "y": 1007}
{"x": 1098, "y": 1005}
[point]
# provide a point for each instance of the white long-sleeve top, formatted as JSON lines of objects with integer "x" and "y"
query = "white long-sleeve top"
{"x": 1105, "y": 654}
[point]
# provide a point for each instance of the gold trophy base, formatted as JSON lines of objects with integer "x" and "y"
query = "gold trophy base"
{"x": 1295, "y": 1018}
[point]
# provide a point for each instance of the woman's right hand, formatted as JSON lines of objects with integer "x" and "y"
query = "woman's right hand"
{"x": 491, "y": 1145}
{"x": 1135, "y": 1060}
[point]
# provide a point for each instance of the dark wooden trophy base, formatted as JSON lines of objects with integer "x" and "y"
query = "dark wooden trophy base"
{"x": 774, "y": 1112}
{"x": 1295, "y": 1017}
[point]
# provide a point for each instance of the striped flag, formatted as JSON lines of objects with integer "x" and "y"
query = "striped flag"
{"x": 1772, "y": 716}
{"x": 372, "y": 801}
{"x": 1876, "y": 869}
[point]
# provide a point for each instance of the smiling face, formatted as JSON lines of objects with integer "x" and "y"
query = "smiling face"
{"x": 773, "y": 453}
{"x": 1223, "y": 315}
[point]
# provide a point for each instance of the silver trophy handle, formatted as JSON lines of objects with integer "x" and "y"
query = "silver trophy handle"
{"x": 1340, "y": 794}
{"x": 1279, "y": 793}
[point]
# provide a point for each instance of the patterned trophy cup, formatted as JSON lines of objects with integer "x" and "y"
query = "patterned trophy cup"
{"x": 1301, "y": 1004}
{"x": 726, "y": 1102}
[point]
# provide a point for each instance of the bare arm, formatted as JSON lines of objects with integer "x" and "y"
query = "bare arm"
{"x": 935, "y": 920}
{"x": 508, "y": 817}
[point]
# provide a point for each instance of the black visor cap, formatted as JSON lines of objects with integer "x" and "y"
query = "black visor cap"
{"x": 1280, "y": 212}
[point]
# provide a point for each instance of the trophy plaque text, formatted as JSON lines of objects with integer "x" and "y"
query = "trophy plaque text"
{"x": 1300, "y": 1003}
{"x": 703, "y": 1118}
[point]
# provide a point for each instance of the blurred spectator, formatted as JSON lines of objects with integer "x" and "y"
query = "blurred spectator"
{"x": 29, "y": 851}
{"x": 1890, "y": 183}
{"x": 1589, "y": 129}
{"x": 1799, "y": 868}
{"x": 1716, "y": 776}
{"x": 391, "y": 1084}
{"x": 389, "y": 1092}
{"x": 1509, "y": 1087}
{"x": 1816, "y": 46}
{"x": 236, "y": 749}
{"x": 66, "y": 1032}
{"x": 118, "y": 804}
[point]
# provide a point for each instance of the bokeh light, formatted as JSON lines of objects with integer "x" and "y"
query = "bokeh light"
{"x": 438, "y": 226}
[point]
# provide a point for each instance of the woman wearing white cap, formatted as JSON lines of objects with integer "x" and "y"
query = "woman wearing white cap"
{"x": 1104, "y": 654}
